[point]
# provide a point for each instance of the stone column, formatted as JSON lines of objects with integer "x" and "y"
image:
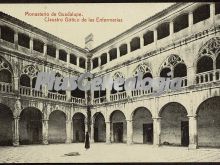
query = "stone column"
{"x": 68, "y": 131}
{"x": 157, "y": 131}
{"x": 16, "y": 39}
{"x": 171, "y": 28}
{"x": 190, "y": 19}
{"x": 31, "y": 44}
{"x": 212, "y": 12}
{"x": 45, "y": 131}
{"x": 129, "y": 131}
{"x": 92, "y": 132}
{"x": 108, "y": 57}
{"x": 118, "y": 52}
{"x": 128, "y": 46}
{"x": 108, "y": 132}
{"x": 57, "y": 53}
{"x": 99, "y": 61}
{"x": 45, "y": 49}
{"x": 16, "y": 85}
{"x": 77, "y": 61}
{"x": 155, "y": 35}
{"x": 141, "y": 40}
{"x": 193, "y": 134}
{"x": 16, "y": 131}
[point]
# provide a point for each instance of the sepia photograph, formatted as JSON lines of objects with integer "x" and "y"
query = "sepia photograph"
{"x": 110, "y": 82}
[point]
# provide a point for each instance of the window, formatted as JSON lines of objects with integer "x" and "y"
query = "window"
{"x": 62, "y": 55}
{"x": 82, "y": 63}
{"x": 123, "y": 49}
{"x": 103, "y": 58}
{"x": 181, "y": 22}
{"x": 38, "y": 46}
{"x": 7, "y": 34}
{"x": 51, "y": 51}
{"x": 217, "y": 8}
{"x": 73, "y": 59}
{"x": 23, "y": 40}
{"x": 135, "y": 44}
{"x": 148, "y": 38}
{"x": 163, "y": 30}
{"x": 201, "y": 13}
{"x": 95, "y": 62}
{"x": 113, "y": 54}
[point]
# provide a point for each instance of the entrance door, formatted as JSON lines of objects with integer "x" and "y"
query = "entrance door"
{"x": 184, "y": 133}
{"x": 118, "y": 132}
{"x": 148, "y": 133}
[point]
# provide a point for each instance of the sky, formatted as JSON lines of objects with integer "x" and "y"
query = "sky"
{"x": 75, "y": 32}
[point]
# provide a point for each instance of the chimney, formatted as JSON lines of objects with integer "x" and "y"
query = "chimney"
{"x": 89, "y": 43}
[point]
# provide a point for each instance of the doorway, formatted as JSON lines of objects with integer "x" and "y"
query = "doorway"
{"x": 184, "y": 133}
{"x": 148, "y": 133}
{"x": 118, "y": 132}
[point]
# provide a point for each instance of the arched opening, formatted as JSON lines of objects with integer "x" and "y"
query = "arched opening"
{"x": 63, "y": 55}
{"x": 6, "y": 120}
{"x": 118, "y": 127}
{"x": 204, "y": 64}
{"x": 95, "y": 62}
{"x": 180, "y": 70}
{"x": 38, "y": 45}
{"x": 165, "y": 72}
{"x": 5, "y": 76}
{"x": 78, "y": 127}
{"x": 25, "y": 80}
{"x": 163, "y": 30}
{"x": 99, "y": 128}
{"x": 30, "y": 126}
{"x": 51, "y": 50}
{"x": 103, "y": 58}
{"x": 148, "y": 38}
{"x": 208, "y": 118}
{"x": 57, "y": 127}
{"x": 181, "y": 22}
{"x": 135, "y": 44}
{"x": 201, "y": 13}
{"x": 174, "y": 125}
{"x": 112, "y": 54}
{"x": 142, "y": 126}
{"x": 7, "y": 34}
{"x": 123, "y": 49}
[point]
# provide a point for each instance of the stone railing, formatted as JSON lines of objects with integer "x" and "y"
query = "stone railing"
{"x": 205, "y": 77}
{"x": 78, "y": 100}
{"x": 56, "y": 96}
{"x": 99, "y": 100}
{"x": 28, "y": 91}
{"x": 5, "y": 87}
{"x": 118, "y": 96}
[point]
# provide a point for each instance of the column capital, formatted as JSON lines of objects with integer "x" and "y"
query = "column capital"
{"x": 192, "y": 116}
{"x": 45, "y": 119}
{"x": 16, "y": 117}
{"x": 156, "y": 118}
{"x": 129, "y": 120}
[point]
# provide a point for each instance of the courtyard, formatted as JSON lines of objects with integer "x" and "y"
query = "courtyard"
{"x": 101, "y": 152}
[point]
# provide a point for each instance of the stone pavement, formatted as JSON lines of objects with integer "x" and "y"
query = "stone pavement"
{"x": 101, "y": 152}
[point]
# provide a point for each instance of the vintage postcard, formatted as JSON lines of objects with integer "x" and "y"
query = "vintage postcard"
{"x": 109, "y": 82}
